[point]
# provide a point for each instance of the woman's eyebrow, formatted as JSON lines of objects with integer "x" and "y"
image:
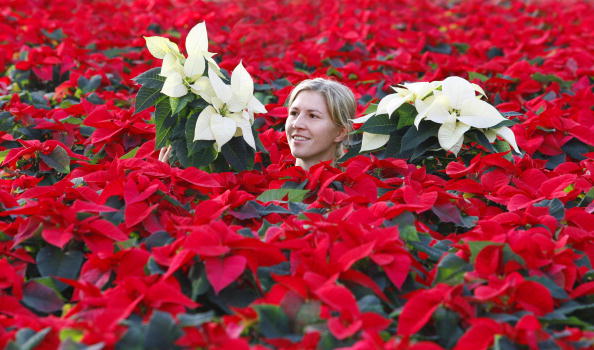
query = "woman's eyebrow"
{"x": 307, "y": 110}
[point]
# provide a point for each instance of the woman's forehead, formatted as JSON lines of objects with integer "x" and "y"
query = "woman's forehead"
{"x": 309, "y": 100}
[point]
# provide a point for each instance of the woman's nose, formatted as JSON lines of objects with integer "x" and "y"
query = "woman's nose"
{"x": 299, "y": 121}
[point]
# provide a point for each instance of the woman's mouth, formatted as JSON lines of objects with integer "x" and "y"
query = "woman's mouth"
{"x": 299, "y": 138}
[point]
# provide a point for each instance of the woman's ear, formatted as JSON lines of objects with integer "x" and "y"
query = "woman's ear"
{"x": 341, "y": 135}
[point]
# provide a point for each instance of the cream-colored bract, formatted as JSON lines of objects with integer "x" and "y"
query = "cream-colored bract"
{"x": 174, "y": 62}
{"x": 231, "y": 107}
{"x": 453, "y": 103}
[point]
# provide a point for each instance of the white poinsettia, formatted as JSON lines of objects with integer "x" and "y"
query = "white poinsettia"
{"x": 231, "y": 107}
{"x": 159, "y": 46}
{"x": 179, "y": 71}
{"x": 405, "y": 93}
{"x": 198, "y": 54}
{"x": 457, "y": 108}
{"x": 453, "y": 103}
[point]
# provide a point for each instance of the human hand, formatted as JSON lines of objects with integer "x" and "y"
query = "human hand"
{"x": 164, "y": 154}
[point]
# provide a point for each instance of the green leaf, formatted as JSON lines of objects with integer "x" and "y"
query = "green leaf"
{"x": 504, "y": 343}
{"x": 479, "y": 76}
{"x": 461, "y": 47}
{"x": 151, "y": 79}
{"x": 371, "y": 108}
{"x": 239, "y": 154}
{"x": 52, "y": 262}
{"x": 195, "y": 320}
{"x": 477, "y": 136}
{"x": 133, "y": 339}
{"x": 163, "y": 123}
{"x": 477, "y": 246}
{"x": 75, "y": 335}
{"x": 451, "y": 269}
{"x": 72, "y": 120}
{"x": 182, "y": 102}
{"x": 309, "y": 313}
{"x": 556, "y": 207}
{"x": 503, "y": 146}
{"x": 406, "y": 115}
{"x": 509, "y": 255}
{"x": 41, "y": 298}
{"x": 58, "y": 160}
{"x": 511, "y": 114}
{"x": 294, "y": 195}
{"x": 146, "y": 98}
{"x": 414, "y": 138}
{"x": 494, "y": 51}
{"x": 556, "y": 291}
{"x": 409, "y": 233}
{"x": 173, "y": 103}
{"x": 508, "y": 123}
{"x": 439, "y": 48}
{"x": 130, "y": 154}
{"x": 379, "y": 124}
{"x": 274, "y": 323}
{"x": 190, "y": 130}
{"x": 57, "y": 34}
{"x": 576, "y": 149}
{"x": 28, "y": 339}
{"x": 88, "y": 85}
{"x": 547, "y": 78}
{"x": 162, "y": 332}
{"x": 3, "y": 155}
{"x": 447, "y": 325}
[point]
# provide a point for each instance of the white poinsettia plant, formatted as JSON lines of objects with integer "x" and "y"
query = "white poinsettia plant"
{"x": 192, "y": 90}
{"x": 454, "y": 104}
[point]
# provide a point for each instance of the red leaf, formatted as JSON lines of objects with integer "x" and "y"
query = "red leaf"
{"x": 352, "y": 256}
{"x": 554, "y": 188}
{"x": 338, "y": 297}
{"x": 198, "y": 177}
{"x": 520, "y": 201}
{"x": 222, "y": 271}
{"x": 479, "y": 336}
{"x": 107, "y": 229}
{"x": 534, "y": 297}
{"x": 425, "y": 345}
{"x": 341, "y": 330}
{"x": 424, "y": 200}
{"x": 89, "y": 207}
{"x": 163, "y": 292}
{"x": 373, "y": 322}
{"x": 57, "y": 236}
{"x": 418, "y": 310}
{"x": 178, "y": 261}
{"x": 584, "y": 289}
{"x": 206, "y": 242}
{"x": 488, "y": 260}
{"x": 364, "y": 280}
{"x": 136, "y": 212}
{"x": 398, "y": 269}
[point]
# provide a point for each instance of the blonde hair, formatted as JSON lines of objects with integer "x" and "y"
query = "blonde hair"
{"x": 340, "y": 102}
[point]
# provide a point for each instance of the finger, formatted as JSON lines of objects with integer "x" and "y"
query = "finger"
{"x": 166, "y": 153}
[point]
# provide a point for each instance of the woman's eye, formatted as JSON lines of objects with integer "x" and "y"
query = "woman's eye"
{"x": 313, "y": 116}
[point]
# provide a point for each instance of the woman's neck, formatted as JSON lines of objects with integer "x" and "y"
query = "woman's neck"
{"x": 308, "y": 164}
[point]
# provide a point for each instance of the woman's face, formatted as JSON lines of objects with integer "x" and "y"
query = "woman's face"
{"x": 313, "y": 137}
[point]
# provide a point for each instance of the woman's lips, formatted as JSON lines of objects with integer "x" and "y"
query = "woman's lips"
{"x": 299, "y": 138}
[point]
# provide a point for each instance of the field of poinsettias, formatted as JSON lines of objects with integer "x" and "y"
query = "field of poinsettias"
{"x": 103, "y": 246}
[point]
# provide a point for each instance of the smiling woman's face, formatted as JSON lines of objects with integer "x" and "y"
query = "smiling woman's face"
{"x": 313, "y": 136}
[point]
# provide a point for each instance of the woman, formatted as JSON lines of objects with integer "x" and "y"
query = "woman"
{"x": 319, "y": 121}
